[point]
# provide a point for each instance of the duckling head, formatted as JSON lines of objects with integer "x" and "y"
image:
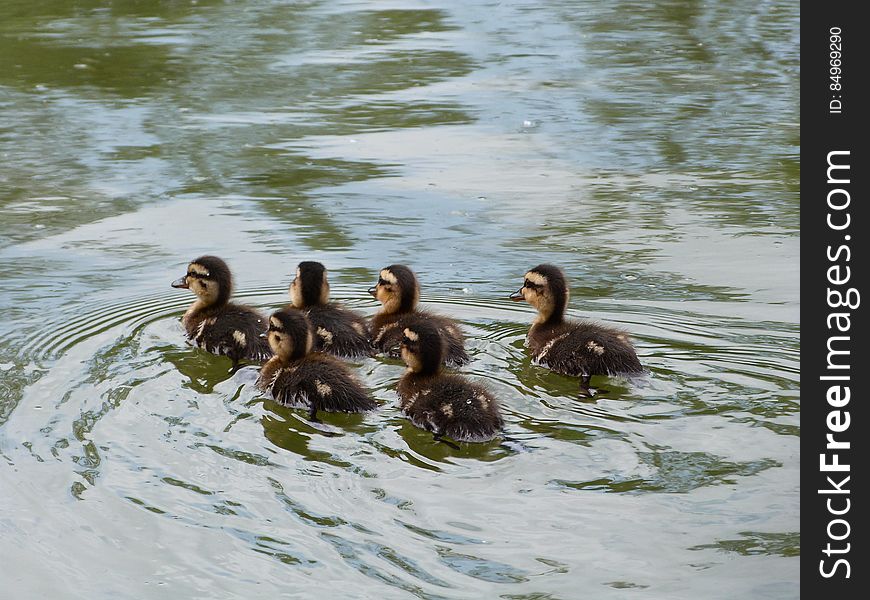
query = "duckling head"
{"x": 397, "y": 289}
{"x": 209, "y": 278}
{"x": 422, "y": 347}
{"x": 310, "y": 286}
{"x": 289, "y": 334}
{"x": 546, "y": 289}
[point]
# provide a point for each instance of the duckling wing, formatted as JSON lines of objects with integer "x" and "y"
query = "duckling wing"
{"x": 386, "y": 332}
{"x": 453, "y": 406}
{"x": 585, "y": 348}
{"x": 473, "y": 413}
{"x": 234, "y": 332}
{"x": 287, "y": 387}
{"x": 339, "y": 331}
{"x": 324, "y": 382}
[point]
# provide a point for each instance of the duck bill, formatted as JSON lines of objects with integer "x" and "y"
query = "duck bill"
{"x": 517, "y": 296}
{"x": 181, "y": 282}
{"x": 373, "y": 291}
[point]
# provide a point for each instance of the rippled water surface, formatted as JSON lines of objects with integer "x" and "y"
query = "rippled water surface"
{"x": 651, "y": 149}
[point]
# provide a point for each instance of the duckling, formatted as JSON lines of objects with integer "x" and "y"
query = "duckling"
{"x": 337, "y": 330}
{"x": 299, "y": 378}
{"x": 213, "y": 322}
{"x": 446, "y": 405}
{"x": 398, "y": 291}
{"x": 572, "y": 348}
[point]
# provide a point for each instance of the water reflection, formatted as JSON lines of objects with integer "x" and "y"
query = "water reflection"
{"x": 676, "y": 472}
{"x": 755, "y": 542}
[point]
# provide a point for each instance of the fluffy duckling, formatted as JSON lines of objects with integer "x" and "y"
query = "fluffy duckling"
{"x": 398, "y": 291}
{"x": 299, "y": 378}
{"x": 446, "y": 405}
{"x": 579, "y": 348}
{"x": 336, "y": 330}
{"x": 213, "y": 322}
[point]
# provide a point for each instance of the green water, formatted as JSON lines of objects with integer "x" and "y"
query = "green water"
{"x": 650, "y": 149}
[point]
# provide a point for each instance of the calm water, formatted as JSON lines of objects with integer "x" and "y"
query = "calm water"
{"x": 652, "y": 151}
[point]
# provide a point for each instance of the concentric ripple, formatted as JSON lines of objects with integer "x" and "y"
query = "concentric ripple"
{"x": 127, "y": 414}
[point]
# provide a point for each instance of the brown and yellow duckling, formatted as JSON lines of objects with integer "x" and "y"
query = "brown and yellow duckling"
{"x": 398, "y": 291}
{"x": 445, "y": 404}
{"x": 213, "y": 322}
{"x": 577, "y": 348}
{"x": 337, "y": 330}
{"x": 299, "y": 378}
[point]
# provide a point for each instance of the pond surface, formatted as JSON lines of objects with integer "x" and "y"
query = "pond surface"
{"x": 650, "y": 149}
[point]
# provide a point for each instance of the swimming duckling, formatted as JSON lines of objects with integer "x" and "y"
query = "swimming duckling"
{"x": 398, "y": 291}
{"x": 213, "y": 322}
{"x": 446, "y": 405}
{"x": 299, "y": 378}
{"x": 579, "y": 348}
{"x": 336, "y": 330}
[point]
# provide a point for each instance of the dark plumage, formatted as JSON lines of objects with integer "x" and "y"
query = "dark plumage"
{"x": 337, "y": 330}
{"x": 214, "y": 323}
{"x": 398, "y": 291}
{"x": 579, "y": 348}
{"x": 299, "y": 378}
{"x": 446, "y": 405}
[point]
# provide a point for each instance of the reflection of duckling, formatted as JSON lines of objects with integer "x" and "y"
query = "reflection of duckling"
{"x": 571, "y": 348}
{"x": 299, "y": 378}
{"x": 446, "y": 405}
{"x": 214, "y": 323}
{"x": 398, "y": 291}
{"x": 336, "y": 329}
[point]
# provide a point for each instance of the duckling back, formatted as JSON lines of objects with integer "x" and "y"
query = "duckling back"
{"x": 583, "y": 348}
{"x": 231, "y": 330}
{"x": 315, "y": 382}
{"x": 451, "y": 406}
{"x": 339, "y": 331}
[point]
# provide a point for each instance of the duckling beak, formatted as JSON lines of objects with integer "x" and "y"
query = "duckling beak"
{"x": 374, "y": 291}
{"x": 181, "y": 282}
{"x": 517, "y": 296}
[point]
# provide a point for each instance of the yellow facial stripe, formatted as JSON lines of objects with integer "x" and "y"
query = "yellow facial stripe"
{"x": 536, "y": 278}
{"x": 198, "y": 269}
